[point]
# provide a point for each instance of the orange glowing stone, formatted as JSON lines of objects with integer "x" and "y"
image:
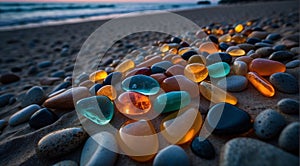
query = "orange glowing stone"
{"x": 138, "y": 140}
{"x": 108, "y": 91}
{"x": 125, "y": 66}
{"x": 183, "y": 50}
{"x": 133, "y": 103}
{"x": 165, "y": 48}
{"x": 180, "y": 129}
{"x": 208, "y": 47}
{"x": 261, "y": 84}
{"x": 235, "y": 51}
{"x": 239, "y": 28}
{"x": 266, "y": 67}
{"x": 196, "y": 72}
{"x": 173, "y": 51}
{"x": 225, "y": 38}
{"x": 238, "y": 38}
{"x": 197, "y": 59}
{"x": 98, "y": 76}
{"x": 215, "y": 94}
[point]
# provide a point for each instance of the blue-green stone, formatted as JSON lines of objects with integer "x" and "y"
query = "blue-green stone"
{"x": 171, "y": 101}
{"x": 98, "y": 109}
{"x": 218, "y": 70}
{"x": 142, "y": 84}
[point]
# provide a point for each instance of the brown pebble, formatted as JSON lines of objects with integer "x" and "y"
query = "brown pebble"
{"x": 175, "y": 70}
{"x": 49, "y": 80}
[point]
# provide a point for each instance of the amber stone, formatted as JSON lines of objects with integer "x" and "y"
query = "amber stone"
{"x": 238, "y": 38}
{"x": 138, "y": 140}
{"x": 136, "y": 71}
{"x": 178, "y": 60}
{"x": 98, "y": 76}
{"x": 173, "y": 51}
{"x": 183, "y": 50}
{"x": 175, "y": 70}
{"x": 261, "y": 84}
{"x": 235, "y": 51}
{"x": 197, "y": 59}
{"x": 196, "y": 72}
{"x": 225, "y": 38}
{"x": 208, "y": 47}
{"x": 246, "y": 59}
{"x": 133, "y": 103}
{"x": 182, "y": 126}
{"x": 125, "y": 66}
{"x": 108, "y": 91}
{"x": 167, "y": 47}
{"x": 239, "y": 28}
{"x": 159, "y": 77}
{"x": 180, "y": 83}
{"x": 266, "y": 67}
{"x": 240, "y": 68}
{"x": 150, "y": 61}
{"x": 215, "y": 94}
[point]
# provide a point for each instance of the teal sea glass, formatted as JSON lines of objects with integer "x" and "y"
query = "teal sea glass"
{"x": 218, "y": 70}
{"x": 142, "y": 84}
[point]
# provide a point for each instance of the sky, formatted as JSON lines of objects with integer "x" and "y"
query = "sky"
{"x": 111, "y": 1}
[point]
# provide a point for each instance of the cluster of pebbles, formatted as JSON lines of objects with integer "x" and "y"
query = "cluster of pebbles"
{"x": 215, "y": 63}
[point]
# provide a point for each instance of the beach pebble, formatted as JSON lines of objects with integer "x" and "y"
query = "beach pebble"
{"x": 4, "y": 99}
{"x": 273, "y": 36}
{"x": 224, "y": 118}
{"x": 268, "y": 124}
{"x": 240, "y": 68}
{"x": 93, "y": 90}
{"x": 246, "y": 47}
{"x": 44, "y": 64}
{"x": 160, "y": 67}
{"x": 60, "y": 86}
{"x": 285, "y": 83}
{"x": 279, "y": 47}
{"x": 293, "y": 64}
{"x": 218, "y": 57}
{"x": 258, "y": 34}
{"x": 49, "y": 80}
{"x": 234, "y": 83}
{"x": 9, "y": 78}
{"x": 264, "y": 51}
{"x": 64, "y": 52}
{"x": 32, "y": 70}
{"x": 288, "y": 106}
{"x": 66, "y": 163}
{"x": 3, "y": 123}
{"x": 253, "y": 40}
{"x": 42, "y": 118}
{"x": 113, "y": 78}
{"x": 295, "y": 50}
{"x": 61, "y": 142}
{"x": 23, "y": 115}
{"x": 34, "y": 95}
{"x": 188, "y": 54}
{"x": 60, "y": 74}
{"x": 100, "y": 149}
{"x": 172, "y": 155}
{"x": 203, "y": 148}
{"x": 289, "y": 137}
{"x": 281, "y": 56}
{"x": 65, "y": 100}
{"x": 250, "y": 152}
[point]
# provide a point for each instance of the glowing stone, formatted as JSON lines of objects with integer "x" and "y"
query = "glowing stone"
{"x": 196, "y": 72}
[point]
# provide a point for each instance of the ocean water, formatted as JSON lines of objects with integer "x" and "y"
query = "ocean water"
{"x": 16, "y": 14}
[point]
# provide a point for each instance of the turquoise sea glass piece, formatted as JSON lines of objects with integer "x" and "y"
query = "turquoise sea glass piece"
{"x": 142, "y": 84}
{"x": 218, "y": 70}
{"x": 171, "y": 101}
{"x": 98, "y": 109}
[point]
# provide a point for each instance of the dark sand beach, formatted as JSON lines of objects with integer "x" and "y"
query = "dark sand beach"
{"x": 45, "y": 56}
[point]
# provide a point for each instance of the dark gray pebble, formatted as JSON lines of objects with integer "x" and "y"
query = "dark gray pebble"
{"x": 4, "y": 99}
{"x": 285, "y": 83}
{"x": 42, "y": 118}
{"x": 288, "y": 106}
{"x": 34, "y": 95}
{"x": 281, "y": 56}
{"x": 293, "y": 64}
{"x": 202, "y": 148}
{"x": 172, "y": 155}
{"x": 234, "y": 83}
{"x": 289, "y": 138}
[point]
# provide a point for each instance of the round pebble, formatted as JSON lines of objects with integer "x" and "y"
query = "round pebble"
{"x": 288, "y": 106}
{"x": 172, "y": 155}
{"x": 34, "y": 95}
{"x": 240, "y": 68}
{"x": 293, "y": 64}
{"x": 23, "y": 115}
{"x": 9, "y": 78}
{"x": 42, "y": 118}
{"x": 4, "y": 99}
{"x": 285, "y": 83}
{"x": 44, "y": 64}
{"x": 160, "y": 67}
{"x": 234, "y": 83}
{"x": 203, "y": 148}
{"x": 264, "y": 51}
{"x": 281, "y": 56}
{"x": 268, "y": 124}
{"x": 289, "y": 137}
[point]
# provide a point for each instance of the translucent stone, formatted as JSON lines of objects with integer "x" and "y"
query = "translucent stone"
{"x": 196, "y": 72}
{"x": 239, "y": 28}
{"x": 171, "y": 101}
{"x": 132, "y": 103}
{"x": 197, "y": 59}
{"x": 238, "y": 38}
{"x": 208, "y": 47}
{"x": 181, "y": 128}
{"x": 98, "y": 76}
{"x": 218, "y": 70}
{"x": 98, "y": 109}
{"x": 173, "y": 51}
{"x": 235, "y": 51}
{"x": 266, "y": 67}
{"x": 240, "y": 68}
{"x": 108, "y": 91}
{"x": 138, "y": 140}
{"x": 225, "y": 38}
{"x": 183, "y": 50}
{"x": 215, "y": 94}
{"x": 150, "y": 62}
{"x": 165, "y": 48}
{"x": 125, "y": 66}
{"x": 261, "y": 84}
{"x": 142, "y": 84}
{"x": 175, "y": 70}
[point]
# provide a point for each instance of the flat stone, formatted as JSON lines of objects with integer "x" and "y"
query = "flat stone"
{"x": 44, "y": 64}
{"x": 293, "y": 64}
{"x": 4, "y": 99}
{"x": 100, "y": 149}
{"x": 23, "y": 115}
{"x": 264, "y": 51}
{"x": 34, "y": 95}
{"x": 288, "y": 106}
{"x": 234, "y": 83}
{"x": 172, "y": 155}
{"x": 42, "y": 118}
{"x": 218, "y": 70}
{"x": 141, "y": 84}
{"x": 203, "y": 148}
{"x": 250, "y": 152}
{"x": 49, "y": 80}
{"x": 281, "y": 56}
{"x": 60, "y": 74}
{"x": 285, "y": 83}
{"x": 61, "y": 142}
{"x": 289, "y": 138}
{"x": 258, "y": 34}
{"x": 9, "y": 78}
{"x": 247, "y": 47}
{"x": 60, "y": 86}
{"x": 268, "y": 124}
{"x": 66, "y": 163}
{"x": 224, "y": 118}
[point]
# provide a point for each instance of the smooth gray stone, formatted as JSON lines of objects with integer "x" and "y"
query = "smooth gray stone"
{"x": 252, "y": 152}
{"x": 289, "y": 137}
{"x": 4, "y": 99}
{"x": 293, "y": 64}
{"x": 288, "y": 106}
{"x": 285, "y": 83}
{"x": 268, "y": 124}
{"x": 34, "y": 95}
{"x": 234, "y": 83}
{"x": 99, "y": 149}
{"x": 172, "y": 155}
{"x": 23, "y": 115}
{"x": 66, "y": 163}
